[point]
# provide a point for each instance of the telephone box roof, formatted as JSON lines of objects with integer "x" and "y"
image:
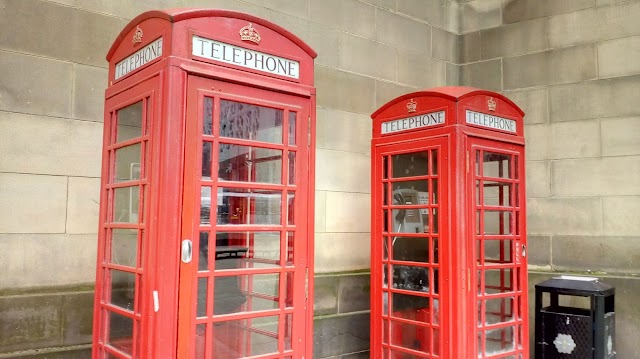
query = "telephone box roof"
{"x": 453, "y": 93}
{"x": 181, "y": 14}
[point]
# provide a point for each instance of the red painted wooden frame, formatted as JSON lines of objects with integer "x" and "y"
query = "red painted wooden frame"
{"x": 465, "y": 300}
{"x": 165, "y": 84}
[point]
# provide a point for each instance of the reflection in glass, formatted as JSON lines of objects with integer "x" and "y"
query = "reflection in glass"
{"x": 120, "y": 332}
{"x": 245, "y": 337}
{"x": 411, "y": 278}
{"x": 500, "y": 340}
{"x": 125, "y": 204}
{"x": 496, "y": 194}
{"x": 292, "y": 128}
{"x": 497, "y": 251}
{"x": 201, "y": 310}
{"x": 250, "y": 122}
{"x": 292, "y": 168}
{"x": 207, "y": 151}
{"x": 246, "y": 293}
{"x": 123, "y": 289}
{"x": 498, "y": 281}
{"x": 124, "y": 247}
{"x": 497, "y": 165}
{"x": 127, "y": 167}
{"x": 434, "y": 183}
{"x": 434, "y": 162}
{"x": 435, "y": 220}
{"x": 291, "y": 208}
{"x": 435, "y": 251}
{"x": 411, "y": 249}
{"x": 410, "y": 164}
{"x": 497, "y": 222}
{"x": 207, "y": 119}
{"x": 249, "y": 164}
{"x": 290, "y": 247}
{"x": 248, "y": 249}
{"x": 203, "y": 252}
{"x": 205, "y": 205}
{"x": 385, "y": 167}
{"x": 201, "y": 331}
{"x": 410, "y": 336}
{"x": 129, "y": 122}
{"x": 251, "y": 206}
{"x": 499, "y": 310}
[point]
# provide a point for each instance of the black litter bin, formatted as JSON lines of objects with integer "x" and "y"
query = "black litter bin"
{"x": 566, "y": 332}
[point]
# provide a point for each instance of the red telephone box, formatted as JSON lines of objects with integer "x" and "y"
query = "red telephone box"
{"x": 205, "y": 247}
{"x": 448, "y": 258}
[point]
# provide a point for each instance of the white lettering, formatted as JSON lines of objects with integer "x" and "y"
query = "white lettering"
{"x": 490, "y": 121}
{"x": 138, "y": 59}
{"x": 230, "y": 54}
{"x": 410, "y": 123}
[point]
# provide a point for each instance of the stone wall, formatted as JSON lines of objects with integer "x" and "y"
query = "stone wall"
{"x": 52, "y": 82}
{"x": 572, "y": 66}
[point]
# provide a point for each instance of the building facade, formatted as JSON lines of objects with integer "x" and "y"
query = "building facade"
{"x": 571, "y": 65}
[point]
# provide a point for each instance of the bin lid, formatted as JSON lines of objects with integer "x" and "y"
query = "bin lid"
{"x": 576, "y": 285}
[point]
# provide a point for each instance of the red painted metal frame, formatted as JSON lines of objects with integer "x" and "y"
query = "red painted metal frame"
{"x": 458, "y": 280}
{"x": 164, "y": 210}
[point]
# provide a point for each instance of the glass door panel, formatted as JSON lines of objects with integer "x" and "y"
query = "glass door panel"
{"x": 497, "y": 238}
{"x": 247, "y": 179}
{"x": 124, "y": 227}
{"x": 410, "y": 289}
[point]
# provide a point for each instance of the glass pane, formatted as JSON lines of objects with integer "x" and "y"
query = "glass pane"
{"x": 385, "y": 167}
{"x": 435, "y": 251}
{"x": 496, "y": 165}
{"x": 410, "y": 336}
{"x": 129, "y": 122}
{"x": 124, "y": 247}
{"x": 413, "y": 249}
{"x": 120, "y": 332}
{"x": 291, "y": 208}
{"x": 411, "y": 278}
{"x": 385, "y": 248}
{"x": 436, "y": 281}
{"x": 497, "y": 222}
{"x": 127, "y": 163}
{"x": 385, "y": 302}
{"x": 498, "y": 280}
{"x": 385, "y": 220}
{"x": 435, "y": 220}
{"x": 207, "y": 119}
{"x": 250, "y": 122}
{"x": 500, "y": 340}
{"x": 409, "y": 221}
{"x": 203, "y": 252}
{"x": 251, "y": 206}
{"x": 410, "y": 164}
{"x": 290, "y": 247}
{"x": 246, "y": 293}
{"x": 497, "y": 194}
{"x": 292, "y": 128}
{"x": 207, "y": 151}
{"x": 247, "y": 249}
{"x": 292, "y": 168}
{"x": 125, "y": 204}
{"x": 249, "y": 164}
{"x": 201, "y": 330}
{"x": 434, "y": 162}
{"x": 201, "y": 310}
{"x": 499, "y": 310}
{"x": 205, "y": 205}
{"x": 497, "y": 251}
{"x": 436, "y": 311}
{"x": 123, "y": 289}
{"x": 245, "y": 337}
{"x": 434, "y": 183}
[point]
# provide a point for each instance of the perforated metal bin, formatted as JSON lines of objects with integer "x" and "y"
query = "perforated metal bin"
{"x": 566, "y": 332}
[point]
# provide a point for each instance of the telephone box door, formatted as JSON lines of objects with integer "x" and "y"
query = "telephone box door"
{"x": 499, "y": 243}
{"x": 408, "y": 242}
{"x": 244, "y": 232}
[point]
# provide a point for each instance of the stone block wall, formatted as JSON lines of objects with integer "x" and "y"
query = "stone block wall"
{"x": 572, "y": 66}
{"x": 52, "y": 81}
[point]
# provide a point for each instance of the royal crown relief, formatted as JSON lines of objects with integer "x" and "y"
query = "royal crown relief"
{"x": 249, "y": 33}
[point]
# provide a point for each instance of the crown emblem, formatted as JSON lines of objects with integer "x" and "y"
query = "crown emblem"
{"x": 491, "y": 104}
{"x": 412, "y": 106}
{"x": 248, "y": 33}
{"x": 137, "y": 36}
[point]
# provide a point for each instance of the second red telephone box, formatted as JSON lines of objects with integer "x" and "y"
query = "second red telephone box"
{"x": 448, "y": 251}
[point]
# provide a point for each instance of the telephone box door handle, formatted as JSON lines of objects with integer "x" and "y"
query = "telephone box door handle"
{"x": 186, "y": 251}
